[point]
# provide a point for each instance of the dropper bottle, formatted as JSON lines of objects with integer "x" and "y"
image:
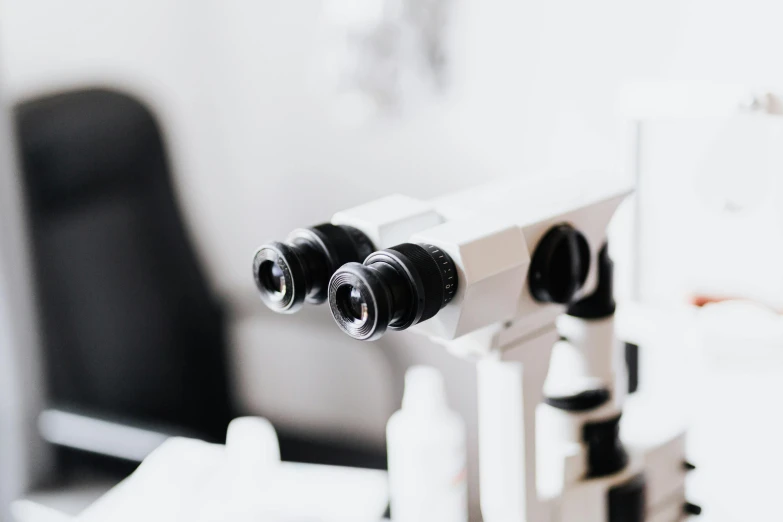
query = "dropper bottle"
{"x": 426, "y": 453}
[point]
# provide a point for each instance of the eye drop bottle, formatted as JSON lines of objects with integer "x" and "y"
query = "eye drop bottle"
{"x": 426, "y": 453}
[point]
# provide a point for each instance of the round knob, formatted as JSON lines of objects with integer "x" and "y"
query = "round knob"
{"x": 559, "y": 266}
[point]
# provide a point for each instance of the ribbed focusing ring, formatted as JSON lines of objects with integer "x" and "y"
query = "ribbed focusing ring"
{"x": 341, "y": 244}
{"x": 431, "y": 299}
{"x": 362, "y": 246}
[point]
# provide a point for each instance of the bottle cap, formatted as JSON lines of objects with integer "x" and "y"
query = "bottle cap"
{"x": 251, "y": 444}
{"x": 424, "y": 389}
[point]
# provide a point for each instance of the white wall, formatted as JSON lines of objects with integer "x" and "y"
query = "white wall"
{"x": 25, "y": 460}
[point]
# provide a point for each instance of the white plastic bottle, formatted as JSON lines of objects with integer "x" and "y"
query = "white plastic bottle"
{"x": 426, "y": 453}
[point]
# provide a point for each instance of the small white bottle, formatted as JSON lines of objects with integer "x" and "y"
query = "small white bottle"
{"x": 426, "y": 453}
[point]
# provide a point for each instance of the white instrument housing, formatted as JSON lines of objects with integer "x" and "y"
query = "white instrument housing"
{"x": 534, "y": 457}
{"x": 491, "y": 234}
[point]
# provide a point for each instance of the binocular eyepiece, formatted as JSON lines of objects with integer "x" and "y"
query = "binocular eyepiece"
{"x": 394, "y": 288}
{"x": 398, "y": 287}
{"x": 296, "y": 271}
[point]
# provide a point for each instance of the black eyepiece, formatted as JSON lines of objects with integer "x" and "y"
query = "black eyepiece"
{"x": 394, "y": 288}
{"x": 297, "y": 271}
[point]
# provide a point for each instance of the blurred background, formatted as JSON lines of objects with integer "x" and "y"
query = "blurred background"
{"x": 147, "y": 148}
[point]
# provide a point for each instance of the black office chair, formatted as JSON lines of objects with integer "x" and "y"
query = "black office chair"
{"x": 131, "y": 330}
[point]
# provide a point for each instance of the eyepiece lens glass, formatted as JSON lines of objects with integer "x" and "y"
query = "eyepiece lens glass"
{"x": 352, "y": 304}
{"x": 272, "y": 278}
{"x": 358, "y": 306}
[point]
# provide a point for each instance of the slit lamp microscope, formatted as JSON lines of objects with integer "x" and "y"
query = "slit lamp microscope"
{"x": 515, "y": 275}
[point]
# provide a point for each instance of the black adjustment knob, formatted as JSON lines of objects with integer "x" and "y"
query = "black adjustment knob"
{"x": 691, "y": 509}
{"x": 394, "y": 288}
{"x": 560, "y": 265}
{"x": 600, "y": 304}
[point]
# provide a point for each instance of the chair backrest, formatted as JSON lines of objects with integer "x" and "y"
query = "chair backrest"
{"x": 130, "y": 327}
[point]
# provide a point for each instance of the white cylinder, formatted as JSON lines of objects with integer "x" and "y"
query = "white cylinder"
{"x": 426, "y": 453}
{"x": 252, "y": 448}
{"x": 595, "y": 343}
